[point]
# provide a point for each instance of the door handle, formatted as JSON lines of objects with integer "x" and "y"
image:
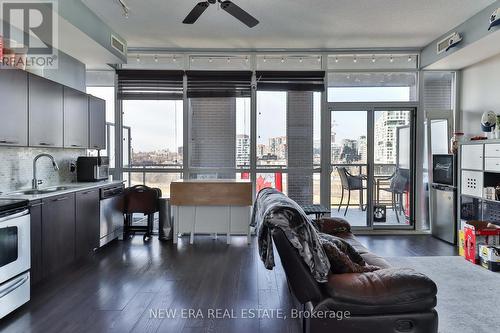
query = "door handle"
{"x": 45, "y": 144}
{"x": 13, "y": 287}
{"x": 60, "y": 199}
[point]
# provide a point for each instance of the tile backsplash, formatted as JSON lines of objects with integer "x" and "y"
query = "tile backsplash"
{"x": 16, "y": 167}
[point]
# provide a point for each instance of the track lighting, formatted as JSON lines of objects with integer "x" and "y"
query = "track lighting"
{"x": 336, "y": 59}
{"x": 265, "y": 60}
{"x": 409, "y": 58}
{"x": 301, "y": 60}
{"x": 138, "y": 58}
{"x": 209, "y": 59}
{"x": 282, "y": 60}
{"x": 156, "y": 58}
{"x": 391, "y": 59}
{"x": 355, "y": 60}
{"x": 373, "y": 59}
{"x": 174, "y": 59}
{"x": 228, "y": 60}
{"x": 319, "y": 59}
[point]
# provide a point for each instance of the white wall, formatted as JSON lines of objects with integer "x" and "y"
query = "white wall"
{"x": 480, "y": 92}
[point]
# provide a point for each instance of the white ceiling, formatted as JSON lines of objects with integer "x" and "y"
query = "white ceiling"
{"x": 299, "y": 24}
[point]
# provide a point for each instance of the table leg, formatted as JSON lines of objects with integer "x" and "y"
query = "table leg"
{"x": 175, "y": 234}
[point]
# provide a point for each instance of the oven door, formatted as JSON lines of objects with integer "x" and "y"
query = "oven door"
{"x": 15, "y": 257}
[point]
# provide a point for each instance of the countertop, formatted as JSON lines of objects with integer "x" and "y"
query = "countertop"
{"x": 214, "y": 181}
{"x": 72, "y": 188}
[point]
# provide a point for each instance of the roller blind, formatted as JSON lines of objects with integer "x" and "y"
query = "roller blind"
{"x": 150, "y": 84}
{"x": 218, "y": 83}
{"x": 290, "y": 80}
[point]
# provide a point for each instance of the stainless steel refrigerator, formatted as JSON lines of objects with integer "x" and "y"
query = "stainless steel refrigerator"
{"x": 444, "y": 198}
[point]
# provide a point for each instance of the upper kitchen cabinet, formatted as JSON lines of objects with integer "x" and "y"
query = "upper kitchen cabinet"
{"x": 45, "y": 113}
{"x": 76, "y": 119}
{"x": 14, "y": 110}
{"x": 97, "y": 124}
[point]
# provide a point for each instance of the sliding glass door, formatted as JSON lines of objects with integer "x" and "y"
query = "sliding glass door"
{"x": 372, "y": 160}
{"x": 349, "y": 159}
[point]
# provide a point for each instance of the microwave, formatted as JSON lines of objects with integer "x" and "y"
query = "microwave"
{"x": 92, "y": 169}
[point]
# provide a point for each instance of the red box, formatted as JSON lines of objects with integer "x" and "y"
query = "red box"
{"x": 476, "y": 233}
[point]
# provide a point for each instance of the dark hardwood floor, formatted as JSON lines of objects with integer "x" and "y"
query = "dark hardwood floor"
{"x": 121, "y": 286}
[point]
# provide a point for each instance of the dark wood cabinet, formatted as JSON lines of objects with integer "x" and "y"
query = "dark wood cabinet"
{"x": 36, "y": 242}
{"x": 86, "y": 222}
{"x": 76, "y": 119}
{"x": 14, "y": 110}
{"x": 58, "y": 232}
{"x": 97, "y": 123}
{"x": 45, "y": 112}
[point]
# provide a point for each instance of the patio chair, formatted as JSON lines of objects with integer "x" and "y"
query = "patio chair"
{"x": 399, "y": 183}
{"x": 350, "y": 183}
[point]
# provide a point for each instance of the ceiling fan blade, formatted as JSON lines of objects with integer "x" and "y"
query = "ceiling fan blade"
{"x": 196, "y": 12}
{"x": 239, "y": 13}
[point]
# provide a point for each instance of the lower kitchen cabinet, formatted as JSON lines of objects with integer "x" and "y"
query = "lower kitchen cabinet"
{"x": 87, "y": 222}
{"x": 58, "y": 232}
{"x": 36, "y": 242}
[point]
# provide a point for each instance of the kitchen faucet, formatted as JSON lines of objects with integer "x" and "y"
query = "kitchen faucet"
{"x": 35, "y": 182}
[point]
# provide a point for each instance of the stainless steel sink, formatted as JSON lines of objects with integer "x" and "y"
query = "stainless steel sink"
{"x": 42, "y": 191}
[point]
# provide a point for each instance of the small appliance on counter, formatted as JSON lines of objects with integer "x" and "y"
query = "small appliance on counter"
{"x": 92, "y": 168}
{"x": 443, "y": 198}
{"x": 15, "y": 255}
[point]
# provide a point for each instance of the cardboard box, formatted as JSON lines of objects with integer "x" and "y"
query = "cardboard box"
{"x": 490, "y": 257}
{"x": 477, "y": 233}
{"x": 461, "y": 243}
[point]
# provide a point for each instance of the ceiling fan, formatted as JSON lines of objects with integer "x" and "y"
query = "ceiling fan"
{"x": 226, "y": 5}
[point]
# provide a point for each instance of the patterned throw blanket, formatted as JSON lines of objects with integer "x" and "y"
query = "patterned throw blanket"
{"x": 272, "y": 209}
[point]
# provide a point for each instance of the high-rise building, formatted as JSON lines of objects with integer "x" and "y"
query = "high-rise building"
{"x": 386, "y": 135}
{"x": 242, "y": 150}
{"x": 278, "y": 147}
{"x": 362, "y": 148}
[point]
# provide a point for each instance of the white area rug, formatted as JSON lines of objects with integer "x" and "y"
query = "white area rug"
{"x": 468, "y": 299}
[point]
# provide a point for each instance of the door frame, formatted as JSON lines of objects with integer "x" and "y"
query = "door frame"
{"x": 429, "y": 116}
{"x": 371, "y": 108}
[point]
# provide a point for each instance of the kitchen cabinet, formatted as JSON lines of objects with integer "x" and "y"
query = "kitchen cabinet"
{"x": 58, "y": 232}
{"x": 86, "y": 222}
{"x": 76, "y": 119}
{"x": 97, "y": 123}
{"x": 14, "y": 110}
{"x": 45, "y": 112}
{"x": 36, "y": 242}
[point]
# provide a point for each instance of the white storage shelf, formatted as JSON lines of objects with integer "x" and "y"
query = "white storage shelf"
{"x": 476, "y": 159}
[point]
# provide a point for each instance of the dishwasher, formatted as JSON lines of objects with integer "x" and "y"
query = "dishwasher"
{"x": 111, "y": 214}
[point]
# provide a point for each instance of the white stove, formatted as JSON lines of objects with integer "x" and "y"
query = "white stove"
{"x": 15, "y": 256}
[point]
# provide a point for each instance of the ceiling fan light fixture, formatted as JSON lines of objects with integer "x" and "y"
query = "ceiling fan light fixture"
{"x": 228, "y": 6}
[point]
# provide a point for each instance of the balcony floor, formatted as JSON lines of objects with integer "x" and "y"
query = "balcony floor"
{"x": 357, "y": 217}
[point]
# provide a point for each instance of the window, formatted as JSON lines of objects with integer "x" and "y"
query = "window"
{"x": 220, "y": 135}
{"x": 372, "y": 87}
{"x": 272, "y": 148}
{"x": 153, "y": 134}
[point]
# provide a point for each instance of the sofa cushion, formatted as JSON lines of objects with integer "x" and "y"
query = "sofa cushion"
{"x": 342, "y": 256}
{"x": 333, "y": 225}
{"x": 390, "y": 290}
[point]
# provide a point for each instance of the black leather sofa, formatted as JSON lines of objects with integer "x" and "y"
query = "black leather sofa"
{"x": 387, "y": 300}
